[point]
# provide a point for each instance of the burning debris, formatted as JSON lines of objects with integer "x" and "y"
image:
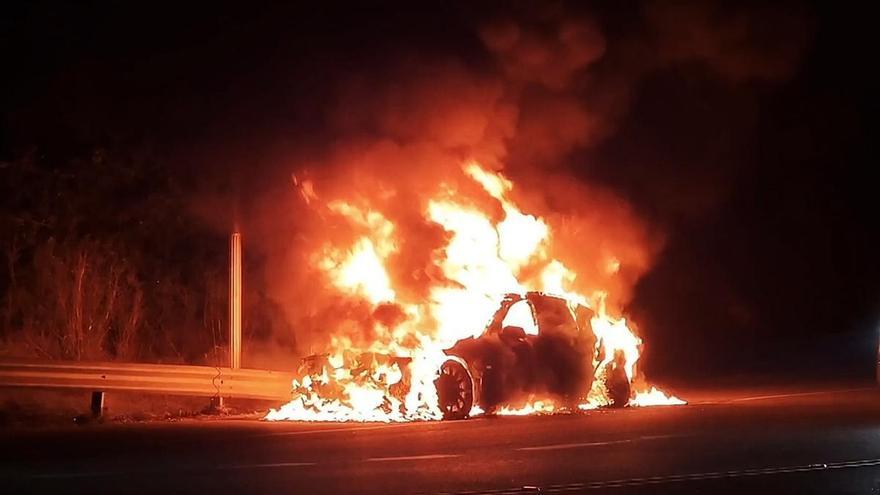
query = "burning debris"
{"x": 399, "y": 354}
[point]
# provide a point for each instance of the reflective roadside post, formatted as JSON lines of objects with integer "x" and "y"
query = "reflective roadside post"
{"x": 235, "y": 302}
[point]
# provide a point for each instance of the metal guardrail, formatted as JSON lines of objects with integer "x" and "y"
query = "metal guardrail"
{"x": 150, "y": 378}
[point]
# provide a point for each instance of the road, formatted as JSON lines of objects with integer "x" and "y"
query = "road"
{"x": 773, "y": 441}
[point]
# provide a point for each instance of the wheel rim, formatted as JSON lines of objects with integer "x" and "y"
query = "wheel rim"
{"x": 455, "y": 391}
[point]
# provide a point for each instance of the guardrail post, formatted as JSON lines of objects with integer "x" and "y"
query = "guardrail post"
{"x": 235, "y": 302}
{"x": 97, "y": 404}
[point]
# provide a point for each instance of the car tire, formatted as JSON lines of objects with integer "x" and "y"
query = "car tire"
{"x": 455, "y": 390}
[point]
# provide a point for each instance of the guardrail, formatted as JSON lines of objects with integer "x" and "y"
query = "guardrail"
{"x": 149, "y": 378}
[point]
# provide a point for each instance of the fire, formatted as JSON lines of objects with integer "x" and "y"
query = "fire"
{"x": 655, "y": 397}
{"x": 392, "y": 377}
{"x": 532, "y": 407}
{"x": 362, "y": 268}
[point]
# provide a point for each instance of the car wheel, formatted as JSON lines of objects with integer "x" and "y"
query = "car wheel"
{"x": 455, "y": 390}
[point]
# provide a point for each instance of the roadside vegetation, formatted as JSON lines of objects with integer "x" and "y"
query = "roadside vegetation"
{"x": 103, "y": 260}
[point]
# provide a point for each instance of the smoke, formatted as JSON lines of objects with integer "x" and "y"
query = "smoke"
{"x": 548, "y": 82}
{"x": 549, "y": 54}
{"x": 741, "y": 43}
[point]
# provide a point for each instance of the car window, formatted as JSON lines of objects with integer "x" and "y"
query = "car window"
{"x": 520, "y": 314}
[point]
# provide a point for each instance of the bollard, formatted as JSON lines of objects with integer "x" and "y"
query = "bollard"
{"x": 97, "y": 404}
{"x": 217, "y": 404}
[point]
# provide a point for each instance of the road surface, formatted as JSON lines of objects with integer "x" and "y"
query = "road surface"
{"x": 772, "y": 441}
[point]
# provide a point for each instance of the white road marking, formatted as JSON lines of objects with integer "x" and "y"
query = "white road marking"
{"x": 799, "y": 394}
{"x": 739, "y": 473}
{"x": 660, "y": 437}
{"x": 412, "y": 458}
{"x": 349, "y": 428}
{"x": 676, "y": 478}
{"x": 560, "y": 446}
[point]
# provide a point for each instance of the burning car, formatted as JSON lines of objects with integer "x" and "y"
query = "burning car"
{"x": 536, "y": 349}
{"x": 405, "y": 299}
{"x": 536, "y": 345}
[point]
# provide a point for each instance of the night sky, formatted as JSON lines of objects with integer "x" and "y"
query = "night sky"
{"x": 752, "y": 158}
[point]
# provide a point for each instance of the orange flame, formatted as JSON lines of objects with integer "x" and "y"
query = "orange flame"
{"x": 481, "y": 261}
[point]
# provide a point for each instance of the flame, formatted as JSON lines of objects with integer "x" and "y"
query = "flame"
{"x": 361, "y": 269}
{"x": 531, "y": 407}
{"x": 654, "y": 397}
{"x": 483, "y": 259}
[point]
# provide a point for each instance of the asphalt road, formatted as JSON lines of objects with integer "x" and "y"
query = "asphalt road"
{"x": 768, "y": 441}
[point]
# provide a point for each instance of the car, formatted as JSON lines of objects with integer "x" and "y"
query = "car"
{"x": 535, "y": 345}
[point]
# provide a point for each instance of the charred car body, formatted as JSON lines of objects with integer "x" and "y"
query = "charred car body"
{"x": 536, "y": 345}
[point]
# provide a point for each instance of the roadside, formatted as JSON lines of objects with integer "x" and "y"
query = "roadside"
{"x": 38, "y": 409}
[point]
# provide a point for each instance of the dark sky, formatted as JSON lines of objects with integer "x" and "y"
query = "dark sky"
{"x": 762, "y": 186}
